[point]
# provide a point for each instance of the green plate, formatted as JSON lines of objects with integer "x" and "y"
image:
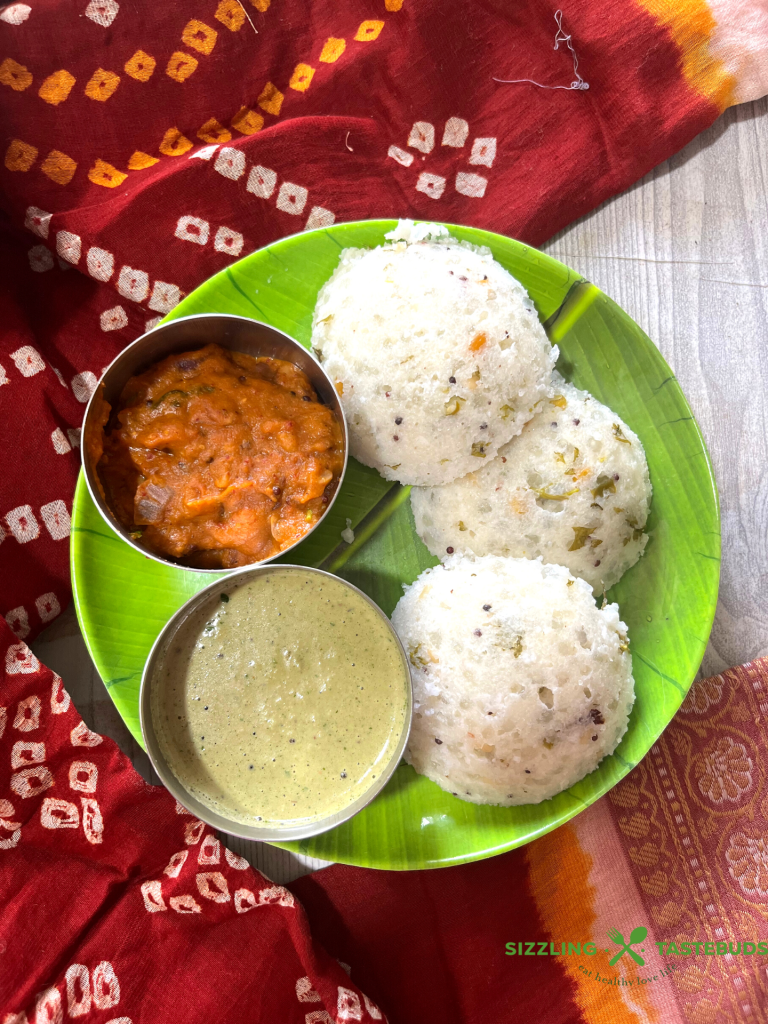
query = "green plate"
{"x": 668, "y": 599}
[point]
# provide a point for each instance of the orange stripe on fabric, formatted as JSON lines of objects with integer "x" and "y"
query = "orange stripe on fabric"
{"x": 559, "y": 879}
{"x": 621, "y": 905}
{"x": 692, "y": 26}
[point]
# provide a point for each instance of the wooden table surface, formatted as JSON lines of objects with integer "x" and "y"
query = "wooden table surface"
{"x": 685, "y": 253}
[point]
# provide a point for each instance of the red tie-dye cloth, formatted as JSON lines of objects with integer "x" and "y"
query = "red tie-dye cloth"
{"x": 147, "y": 145}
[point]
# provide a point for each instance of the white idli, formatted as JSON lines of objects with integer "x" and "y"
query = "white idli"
{"x": 436, "y": 351}
{"x": 573, "y": 488}
{"x": 521, "y": 684}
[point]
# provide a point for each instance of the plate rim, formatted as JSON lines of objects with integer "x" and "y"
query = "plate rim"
{"x": 623, "y": 766}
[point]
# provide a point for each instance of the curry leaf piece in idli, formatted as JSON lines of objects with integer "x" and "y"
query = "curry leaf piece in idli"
{"x": 521, "y": 684}
{"x": 436, "y": 351}
{"x": 573, "y": 488}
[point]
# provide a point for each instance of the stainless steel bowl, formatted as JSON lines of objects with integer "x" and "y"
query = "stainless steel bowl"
{"x": 151, "y": 679}
{"x": 237, "y": 333}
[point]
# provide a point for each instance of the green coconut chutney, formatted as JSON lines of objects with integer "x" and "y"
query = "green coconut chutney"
{"x": 280, "y": 700}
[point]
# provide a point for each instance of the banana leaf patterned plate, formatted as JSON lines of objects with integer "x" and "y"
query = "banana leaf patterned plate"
{"x": 668, "y": 599}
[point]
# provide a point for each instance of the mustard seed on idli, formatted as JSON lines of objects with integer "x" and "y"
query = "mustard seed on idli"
{"x": 573, "y": 488}
{"x": 436, "y": 350}
{"x": 521, "y": 684}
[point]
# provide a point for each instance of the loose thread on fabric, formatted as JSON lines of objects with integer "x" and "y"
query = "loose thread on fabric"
{"x": 249, "y": 18}
{"x": 346, "y": 143}
{"x": 561, "y": 36}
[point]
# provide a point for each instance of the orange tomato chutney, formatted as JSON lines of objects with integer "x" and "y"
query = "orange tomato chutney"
{"x": 219, "y": 459}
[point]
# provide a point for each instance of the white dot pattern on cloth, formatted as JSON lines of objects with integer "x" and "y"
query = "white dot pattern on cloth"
{"x": 422, "y": 137}
{"x": 455, "y": 133}
{"x": 133, "y": 284}
{"x": 113, "y": 319}
{"x": 15, "y": 14}
{"x": 228, "y": 241}
{"x": 23, "y": 524}
{"x": 483, "y": 152}
{"x": 40, "y": 259}
{"x": 402, "y": 156}
{"x": 60, "y": 443}
{"x": 230, "y": 163}
{"x": 27, "y": 752}
{"x": 472, "y": 185}
{"x": 262, "y": 181}
{"x": 192, "y": 229}
{"x": 100, "y": 263}
{"x": 164, "y": 297}
{"x": 103, "y": 12}
{"x": 292, "y": 198}
{"x": 84, "y": 384}
{"x": 28, "y": 361}
{"x": 203, "y": 154}
{"x": 19, "y": 659}
{"x": 432, "y": 185}
{"x": 48, "y": 606}
{"x": 319, "y": 217}
{"x": 68, "y": 246}
{"x": 37, "y": 221}
{"x": 56, "y": 518}
{"x": 18, "y": 620}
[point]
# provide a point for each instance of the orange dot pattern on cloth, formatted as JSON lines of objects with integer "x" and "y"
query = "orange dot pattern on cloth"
{"x": 57, "y": 87}
{"x": 140, "y": 66}
{"x": 59, "y": 167}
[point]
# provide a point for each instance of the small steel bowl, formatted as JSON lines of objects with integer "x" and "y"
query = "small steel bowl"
{"x": 151, "y": 679}
{"x": 237, "y": 333}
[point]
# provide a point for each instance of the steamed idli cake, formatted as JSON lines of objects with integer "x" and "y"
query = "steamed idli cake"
{"x": 521, "y": 684}
{"x": 436, "y": 350}
{"x": 573, "y": 488}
